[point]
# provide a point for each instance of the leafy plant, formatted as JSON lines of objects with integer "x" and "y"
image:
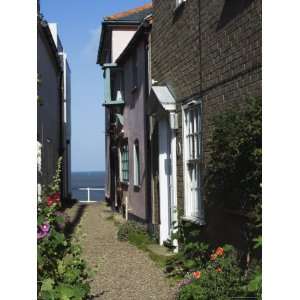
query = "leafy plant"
{"x": 233, "y": 181}
{"x": 192, "y": 257}
{"x": 220, "y": 279}
{"x": 130, "y": 228}
{"x": 234, "y": 171}
{"x": 62, "y": 273}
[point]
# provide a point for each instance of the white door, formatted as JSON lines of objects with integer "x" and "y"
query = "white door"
{"x": 164, "y": 180}
{"x": 167, "y": 179}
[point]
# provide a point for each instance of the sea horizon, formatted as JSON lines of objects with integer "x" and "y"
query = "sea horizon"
{"x": 88, "y": 179}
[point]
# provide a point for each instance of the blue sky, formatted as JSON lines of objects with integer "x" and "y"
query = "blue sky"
{"x": 79, "y": 24}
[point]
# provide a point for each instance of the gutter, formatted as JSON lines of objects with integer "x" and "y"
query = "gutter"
{"x": 45, "y": 28}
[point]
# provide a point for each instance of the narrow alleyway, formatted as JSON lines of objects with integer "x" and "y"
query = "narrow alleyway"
{"x": 124, "y": 272}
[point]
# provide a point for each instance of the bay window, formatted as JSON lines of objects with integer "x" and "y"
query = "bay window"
{"x": 192, "y": 161}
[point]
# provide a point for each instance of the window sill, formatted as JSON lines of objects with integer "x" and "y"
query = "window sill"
{"x": 194, "y": 220}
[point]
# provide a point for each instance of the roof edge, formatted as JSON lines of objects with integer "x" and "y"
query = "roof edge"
{"x": 128, "y": 12}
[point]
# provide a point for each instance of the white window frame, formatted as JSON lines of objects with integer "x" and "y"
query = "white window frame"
{"x": 136, "y": 164}
{"x": 120, "y": 163}
{"x": 192, "y": 156}
{"x": 126, "y": 160}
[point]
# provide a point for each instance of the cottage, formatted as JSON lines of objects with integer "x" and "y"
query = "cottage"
{"x": 53, "y": 110}
{"x": 123, "y": 55}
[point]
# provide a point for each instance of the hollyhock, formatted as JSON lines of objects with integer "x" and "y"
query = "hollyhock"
{"x": 53, "y": 199}
{"x": 62, "y": 224}
{"x": 43, "y": 231}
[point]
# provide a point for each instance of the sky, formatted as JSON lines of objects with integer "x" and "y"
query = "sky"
{"x": 79, "y": 27}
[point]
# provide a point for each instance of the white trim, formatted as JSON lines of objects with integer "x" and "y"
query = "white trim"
{"x": 188, "y": 205}
{"x": 120, "y": 164}
{"x": 136, "y": 165}
{"x": 164, "y": 184}
{"x": 174, "y": 211}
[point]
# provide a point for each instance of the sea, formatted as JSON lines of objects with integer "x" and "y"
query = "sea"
{"x": 93, "y": 179}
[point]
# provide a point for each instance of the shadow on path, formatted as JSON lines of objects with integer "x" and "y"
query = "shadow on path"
{"x": 75, "y": 220}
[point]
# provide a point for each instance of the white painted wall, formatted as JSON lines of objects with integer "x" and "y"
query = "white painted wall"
{"x": 120, "y": 39}
{"x": 164, "y": 180}
{"x": 66, "y": 105}
{"x": 53, "y": 29}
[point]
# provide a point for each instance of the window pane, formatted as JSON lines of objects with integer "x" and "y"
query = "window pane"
{"x": 193, "y": 154}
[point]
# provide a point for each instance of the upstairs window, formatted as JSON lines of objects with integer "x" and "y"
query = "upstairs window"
{"x": 136, "y": 162}
{"x": 124, "y": 163}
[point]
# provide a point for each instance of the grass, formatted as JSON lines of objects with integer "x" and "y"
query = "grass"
{"x": 110, "y": 218}
{"x": 137, "y": 235}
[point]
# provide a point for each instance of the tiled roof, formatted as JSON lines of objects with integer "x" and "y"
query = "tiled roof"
{"x": 137, "y": 14}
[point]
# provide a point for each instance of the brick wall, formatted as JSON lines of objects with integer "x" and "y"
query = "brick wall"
{"x": 230, "y": 57}
{"x": 175, "y": 44}
{"x": 209, "y": 49}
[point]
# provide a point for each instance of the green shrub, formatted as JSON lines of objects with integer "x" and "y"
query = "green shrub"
{"x": 220, "y": 279}
{"x": 191, "y": 258}
{"x": 125, "y": 229}
{"x": 234, "y": 172}
{"x": 135, "y": 234}
{"x": 233, "y": 181}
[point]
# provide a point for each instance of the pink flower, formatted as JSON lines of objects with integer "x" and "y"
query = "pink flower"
{"x": 43, "y": 230}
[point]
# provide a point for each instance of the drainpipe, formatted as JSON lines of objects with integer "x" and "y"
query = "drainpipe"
{"x": 202, "y": 104}
{"x": 146, "y": 136}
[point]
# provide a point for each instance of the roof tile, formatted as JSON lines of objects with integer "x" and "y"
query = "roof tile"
{"x": 135, "y": 14}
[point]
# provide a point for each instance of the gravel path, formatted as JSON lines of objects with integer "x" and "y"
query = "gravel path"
{"x": 124, "y": 272}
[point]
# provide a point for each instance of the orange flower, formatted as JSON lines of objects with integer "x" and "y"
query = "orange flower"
{"x": 219, "y": 270}
{"x": 197, "y": 274}
{"x": 219, "y": 251}
{"x": 213, "y": 257}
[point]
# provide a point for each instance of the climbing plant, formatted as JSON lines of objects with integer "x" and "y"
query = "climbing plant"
{"x": 233, "y": 179}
